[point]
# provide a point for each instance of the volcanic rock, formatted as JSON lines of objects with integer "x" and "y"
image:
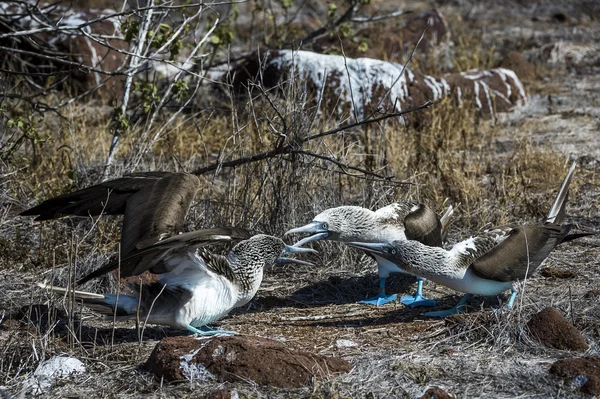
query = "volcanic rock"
{"x": 583, "y": 372}
{"x": 436, "y": 393}
{"x": 551, "y": 328}
{"x": 240, "y": 358}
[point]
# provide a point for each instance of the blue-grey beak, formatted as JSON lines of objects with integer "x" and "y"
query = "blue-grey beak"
{"x": 315, "y": 228}
{"x": 292, "y": 249}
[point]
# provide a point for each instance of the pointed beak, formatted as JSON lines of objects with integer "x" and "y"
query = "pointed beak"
{"x": 292, "y": 249}
{"x": 372, "y": 247}
{"x": 314, "y": 228}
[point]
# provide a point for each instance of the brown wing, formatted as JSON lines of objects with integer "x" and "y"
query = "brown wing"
{"x": 155, "y": 258}
{"x": 521, "y": 253}
{"x": 108, "y": 197}
{"x": 423, "y": 224}
{"x": 157, "y": 211}
{"x": 154, "y": 204}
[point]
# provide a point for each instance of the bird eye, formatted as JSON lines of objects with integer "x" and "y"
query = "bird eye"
{"x": 325, "y": 226}
{"x": 393, "y": 251}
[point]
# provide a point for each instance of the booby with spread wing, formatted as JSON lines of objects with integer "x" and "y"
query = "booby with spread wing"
{"x": 194, "y": 286}
{"x": 486, "y": 264}
{"x": 354, "y": 223}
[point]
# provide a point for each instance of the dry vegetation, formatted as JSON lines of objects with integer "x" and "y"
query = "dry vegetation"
{"x": 494, "y": 172}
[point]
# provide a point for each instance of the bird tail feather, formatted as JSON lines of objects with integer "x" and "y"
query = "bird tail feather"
{"x": 557, "y": 210}
{"x": 445, "y": 221}
{"x": 108, "y": 304}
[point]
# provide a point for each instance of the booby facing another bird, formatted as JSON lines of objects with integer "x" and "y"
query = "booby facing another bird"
{"x": 194, "y": 287}
{"x": 486, "y": 264}
{"x": 353, "y": 223}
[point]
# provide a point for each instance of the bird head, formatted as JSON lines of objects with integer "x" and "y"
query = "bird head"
{"x": 266, "y": 250}
{"x": 343, "y": 223}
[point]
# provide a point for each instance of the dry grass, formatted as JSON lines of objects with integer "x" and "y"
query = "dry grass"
{"x": 452, "y": 157}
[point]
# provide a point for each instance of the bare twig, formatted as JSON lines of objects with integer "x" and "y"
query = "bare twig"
{"x": 381, "y": 17}
{"x": 133, "y": 68}
{"x": 290, "y": 148}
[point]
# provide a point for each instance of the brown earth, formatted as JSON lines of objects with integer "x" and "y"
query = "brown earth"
{"x": 592, "y": 294}
{"x": 551, "y": 328}
{"x": 242, "y": 358}
{"x": 552, "y": 272}
{"x": 581, "y": 366}
{"x": 517, "y": 63}
{"x": 437, "y": 393}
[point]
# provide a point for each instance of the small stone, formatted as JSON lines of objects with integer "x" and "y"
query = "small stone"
{"x": 50, "y": 370}
{"x": 223, "y": 394}
{"x": 436, "y": 393}
{"x": 583, "y": 373}
{"x": 240, "y": 358}
{"x": 592, "y": 294}
{"x": 345, "y": 343}
{"x": 551, "y": 328}
{"x": 552, "y": 272}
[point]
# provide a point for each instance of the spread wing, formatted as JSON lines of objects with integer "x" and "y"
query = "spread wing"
{"x": 521, "y": 252}
{"x": 154, "y": 204}
{"x": 162, "y": 256}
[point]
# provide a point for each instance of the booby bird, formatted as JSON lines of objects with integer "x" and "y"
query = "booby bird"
{"x": 198, "y": 286}
{"x": 354, "y": 223}
{"x": 195, "y": 287}
{"x": 486, "y": 264}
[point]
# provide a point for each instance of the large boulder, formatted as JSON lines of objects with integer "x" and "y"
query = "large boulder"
{"x": 240, "y": 358}
{"x": 359, "y": 86}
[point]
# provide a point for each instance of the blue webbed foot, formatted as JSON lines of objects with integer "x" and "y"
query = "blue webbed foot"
{"x": 380, "y": 299}
{"x": 510, "y": 303}
{"x": 209, "y": 332}
{"x": 413, "y": 301}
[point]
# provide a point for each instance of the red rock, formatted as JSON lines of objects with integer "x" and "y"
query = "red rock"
{"x": 551, "y": 328}
{"x": 436, "y": 393}
{"x": 518, "y": 64}
{"x": 74, "y": 46}
{"x": 240, "y": 358}
{"x": 592, "y": 294}
{"x": 582, "y": 366}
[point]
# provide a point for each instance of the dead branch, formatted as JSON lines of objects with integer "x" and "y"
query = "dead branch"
{"x": 294, "y": 147}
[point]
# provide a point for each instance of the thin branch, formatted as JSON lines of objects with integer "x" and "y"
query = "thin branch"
{"x": 134, "y": 64}
{"x": 387, "y": 93}
{"x": 346, "y": 16}
{"x": 381, "y": 17}
{"x": 290, "y": 148}
{"x": 343, "y": 166}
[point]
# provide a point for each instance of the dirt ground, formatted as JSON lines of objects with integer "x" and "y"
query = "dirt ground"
{"x": 396, "y": 352}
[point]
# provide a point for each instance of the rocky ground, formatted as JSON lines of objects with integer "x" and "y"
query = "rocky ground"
{"x": 330, "y": 346}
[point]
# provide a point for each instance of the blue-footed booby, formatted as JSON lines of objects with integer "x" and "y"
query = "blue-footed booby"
{"x": 353, "y": 223}
{"x": 194, "y": 286}
{"x": 486, "y": 264}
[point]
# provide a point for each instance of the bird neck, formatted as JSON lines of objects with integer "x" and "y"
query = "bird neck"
{"x": 422, "y": 260}
{"x": 247, "y": 276}
{"x": 364, "y": 225}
